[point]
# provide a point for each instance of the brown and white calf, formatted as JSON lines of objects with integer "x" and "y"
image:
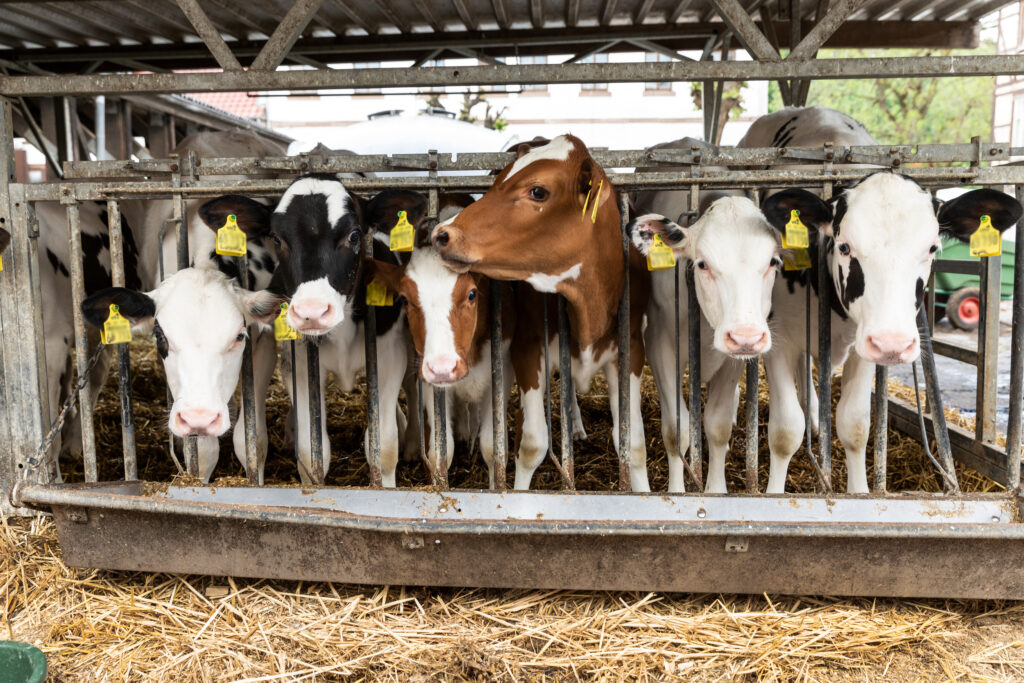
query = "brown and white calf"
{"x": 531, "y": 226}
{"x": 449, "y": 320}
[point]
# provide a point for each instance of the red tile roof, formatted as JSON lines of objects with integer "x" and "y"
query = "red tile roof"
{"x": 246, "y": 105}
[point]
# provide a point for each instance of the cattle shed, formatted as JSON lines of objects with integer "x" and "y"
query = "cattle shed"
{"x": 55, "y": 57}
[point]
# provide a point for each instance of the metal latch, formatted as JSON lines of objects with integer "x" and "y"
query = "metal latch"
{"x": 735, "y": 544}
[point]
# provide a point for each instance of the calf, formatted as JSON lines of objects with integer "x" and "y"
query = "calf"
{"x": 736, "y": 254}
{"x": 199, "y": 317}
{"x": 450, "y": 321}
{"x": 881, "y": 235}
{"x": 551, "y": 219}
{"x": 321, "y": 230}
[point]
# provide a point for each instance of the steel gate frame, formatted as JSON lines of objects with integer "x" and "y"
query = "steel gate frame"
{"x": 925, "y": 545}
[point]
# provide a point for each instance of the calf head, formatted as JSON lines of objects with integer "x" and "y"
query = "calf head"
{"x": 736, "y": 255}
{"x": 320, "y": 230}
{"x": 199, "y": 317}
{"x": 447, "y": 311}
{"x": 252, "y": 218}
{"x": 885, "y": 234}
{"x": 531, "y": 224}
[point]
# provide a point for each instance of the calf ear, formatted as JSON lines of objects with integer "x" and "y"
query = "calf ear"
{"x": 139, "y": 308}
{"x": 253, "y": 218}
{"x": 814, "y": 213}
{"x": 381, "y": 212}
{"x": 388, "y": 273}
{"x": 960, "y": 217}
{"x": 261, "y": 307}
{"x": 590, "y": 182}
{"x": 524, "y": 147}
{"x": 642, "y": 230}
{"x": 5, "y": 239}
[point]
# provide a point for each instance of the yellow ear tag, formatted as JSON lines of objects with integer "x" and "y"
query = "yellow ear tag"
{"x": 377, "y": 294}
{"x": 282, "y": 330}
{"x": 586, "y": 202}
{"x": 230, "y": 238}
{"x": 1, "y": 263}
{"x": 986, "y": 240}
{"x": 796, "y": 259}
{"x": 402, "y": 235}
{"x": 795, "y": 236}
{"x": 117, "y": 329}
{"x": 660, "y": 257}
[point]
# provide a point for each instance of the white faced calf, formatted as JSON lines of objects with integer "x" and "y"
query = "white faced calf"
{"x": 881, "y": 243}
{"x": 736, "y": 255}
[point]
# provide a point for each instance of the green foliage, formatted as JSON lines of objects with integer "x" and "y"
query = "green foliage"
{"x": 908, "y": 110}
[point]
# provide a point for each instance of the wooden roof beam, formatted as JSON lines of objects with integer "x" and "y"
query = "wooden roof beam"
{"x": 287, "y": 32}
{"x": 209, "y": 34}
{"x": 737, "y": 19}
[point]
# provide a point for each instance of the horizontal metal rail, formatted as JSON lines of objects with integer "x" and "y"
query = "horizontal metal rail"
{"x": 403, "y": 77}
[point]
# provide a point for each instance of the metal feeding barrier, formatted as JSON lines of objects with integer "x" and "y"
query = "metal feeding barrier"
{"x": 915, "y": 544}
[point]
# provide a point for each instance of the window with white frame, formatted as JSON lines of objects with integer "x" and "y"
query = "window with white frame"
{"x": 601, "y": 58}
{"x": 535, "y": 87}
{"x": 1017, "y": 122}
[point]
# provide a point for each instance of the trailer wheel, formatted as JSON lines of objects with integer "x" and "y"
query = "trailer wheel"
{"x": 964, "y": 308}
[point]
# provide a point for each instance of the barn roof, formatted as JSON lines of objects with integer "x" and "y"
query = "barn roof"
{"x": 96, "y": 36}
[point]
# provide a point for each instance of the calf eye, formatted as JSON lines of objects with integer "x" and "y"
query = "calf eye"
{"x": 472, "y": 295}
{"x": 774, "y": 263}
{"x": 844, "y": 248}
{"x": 538, "y": 193}
{"x": 353, "y": 237}
{"x": 934, "y": 248}
{"x": 702, "y": 265}
{"x": 401, "y": 301}
{"x": 240, "y": 337}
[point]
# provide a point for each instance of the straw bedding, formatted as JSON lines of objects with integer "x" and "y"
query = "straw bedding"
{"x": 99, "y": 625}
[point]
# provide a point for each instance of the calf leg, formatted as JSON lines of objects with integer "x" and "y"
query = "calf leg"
{"x": 801, "y": 390}
{"x": 264, "y": 358}
{"x": 785, "y": 419}
{"x": 391, "y": 371}
{"x": 208, "y": 449}
{"x": 853, "y": 419}
{"x": 719, "y": 419}
{"x": 429, "y": 416}
{"x": 533, "y": 436}
{"x": 487, "y": 434}
{"x": 300, "y": 411}
{"x": 637, "y": 446}
{"x": 659, "y": 345}
{"x": 411, "y": 434}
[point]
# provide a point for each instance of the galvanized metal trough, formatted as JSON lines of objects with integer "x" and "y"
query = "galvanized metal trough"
{"x": 898, "y": 545}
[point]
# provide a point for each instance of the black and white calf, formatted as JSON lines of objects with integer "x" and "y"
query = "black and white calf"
{"x": 200, "y": 318}
{"x": 882, "y": 234}
{"x": 321, "y": 229}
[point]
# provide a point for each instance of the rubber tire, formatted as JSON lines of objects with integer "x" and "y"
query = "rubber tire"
{"x": 956, "y": 300}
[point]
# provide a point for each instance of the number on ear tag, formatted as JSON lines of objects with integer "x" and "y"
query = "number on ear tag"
{"x": 986, "y": 240}
{"x": 377, "y": 294}
{"x": 796, "y": 259}
{"x": 402, "y": 235}
{"x": 282, "y": 330}
{"x": 795, "y": 236}
{"x": 230, "y": 238}
{"x": 117, "y": 329}
{"x": 660, "y": 257}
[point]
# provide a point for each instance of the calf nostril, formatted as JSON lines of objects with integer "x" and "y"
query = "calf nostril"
{"x": 441, "y": 239}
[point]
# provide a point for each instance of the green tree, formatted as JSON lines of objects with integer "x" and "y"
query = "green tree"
{"x": 908, "y": 110}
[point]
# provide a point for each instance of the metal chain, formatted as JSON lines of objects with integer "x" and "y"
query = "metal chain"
{"x": 65, "y": 408}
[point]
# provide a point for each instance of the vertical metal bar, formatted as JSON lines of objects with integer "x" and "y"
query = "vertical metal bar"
{"x": 824, "y": 355}
{"x": 990, "y": 271}
{"x": 372, "y": 390}
{"x": 808, "y": 369}
{"x": 547, "y": 385}
{"x": 625, "y": 483}
{"x": 81, "y": 337}
{"x": 567, "y": 391}
{"x": 498, "y": 387}
{"x": 181, "y": 231}
{"x": 252, "y": 466}
{"x": 678, "y": 387}
{"x": 100, "y": 125}
{"x": 295, "y": 403}
{"x": 440, "y": 435}
{"x": 934, "y": 395}
{"x": 693, "y": 323}
{"x": 316, "y": 445}
{"x": 751, "y": 424}
{"x": 124, "y": 377}
{"x": 880, "y": 425}
{"x": 1013, "y": 426}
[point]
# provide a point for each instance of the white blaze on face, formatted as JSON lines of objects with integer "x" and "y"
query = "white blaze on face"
{"x": 889, "y": 227}
{"x": 558, "y": 149}
{"x": 316, "y": 308}
{"x": 199, "y": 311}
{"x": 333, "y": 192}
{"x": 435, "y": 287}
{"x": 738, "y": 250}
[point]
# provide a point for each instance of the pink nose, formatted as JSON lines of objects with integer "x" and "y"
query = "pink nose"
{"x": 890, "y": 347}
{"x": 746, "y": 340}
{"x": 440, "y": 369}
{"x": 199, "y": 422}
{"x": 310, "y": 313}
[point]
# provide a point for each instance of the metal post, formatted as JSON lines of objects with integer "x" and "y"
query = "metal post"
{"x": 316, "y": 446}
{"x": 124, "y": 377}
{"x": 498, "y": 387}
{"x": 988, "y": 349}
{"x": 440, "y": 435}
{"x": 625, "y": 483}
{"x": 693, "y": 321}
{"x": 751, "y": 424}
{"x": 567, "y": 391}
{"x": 934, "y": 394}
{"x": 101, "y": 127}
{"x": 1013, "y": 426}
{"x": 824, "y": 356}
{"x": 880, "y": 424}
{"x": 372, "y": 393}
{"x": 249, "y": 389}
{"x": 81, "y": 336}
